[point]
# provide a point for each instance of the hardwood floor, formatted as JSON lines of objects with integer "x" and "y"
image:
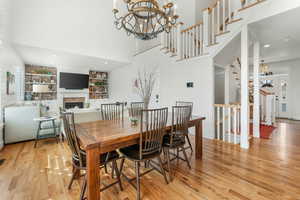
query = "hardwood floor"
{"x": 270, "y": 169}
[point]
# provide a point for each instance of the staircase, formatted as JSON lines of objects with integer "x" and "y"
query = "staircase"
{"x": 220, "y": 21}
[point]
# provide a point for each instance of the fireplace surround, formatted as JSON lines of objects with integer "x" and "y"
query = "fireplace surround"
{"x": 73, "y": 102}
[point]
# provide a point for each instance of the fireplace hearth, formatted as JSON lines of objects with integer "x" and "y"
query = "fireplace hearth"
{"x": 73, "y": 102}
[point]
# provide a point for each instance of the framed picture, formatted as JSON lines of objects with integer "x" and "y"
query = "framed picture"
{"x": 10, "y": 83}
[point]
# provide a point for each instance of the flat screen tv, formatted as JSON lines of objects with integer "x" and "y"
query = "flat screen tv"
{"x": 73, "y": 81}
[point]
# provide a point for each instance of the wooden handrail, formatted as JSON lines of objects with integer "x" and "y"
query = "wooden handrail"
{"x": 191, "y": 27}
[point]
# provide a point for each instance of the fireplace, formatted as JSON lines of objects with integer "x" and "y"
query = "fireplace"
{"x": 74, "y": 102}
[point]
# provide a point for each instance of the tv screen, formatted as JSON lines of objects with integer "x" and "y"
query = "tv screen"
{"x": 73, "y": 81}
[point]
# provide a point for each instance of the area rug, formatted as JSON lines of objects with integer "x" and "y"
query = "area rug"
{"x": 265, "y": 131}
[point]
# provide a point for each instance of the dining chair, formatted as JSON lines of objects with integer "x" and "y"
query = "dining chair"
{"x": 115, "y": 112}
{"x": 135, "y": 109}
{"x": 176, "y": 138}
{"x": 187, "y": 103}
{"x": 152, "y": 129}
{"x": 79, "y": 156}
{"x": 112, "y": 111}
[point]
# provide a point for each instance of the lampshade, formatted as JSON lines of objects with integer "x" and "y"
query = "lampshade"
{"x": 40, "y": 88}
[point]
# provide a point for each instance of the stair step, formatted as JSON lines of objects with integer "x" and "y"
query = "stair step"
{"x": 216, "y": 43}
{"x": 222, "y": 33}
{"x": 251, "y": 5}
{"x": 233, "y": 21}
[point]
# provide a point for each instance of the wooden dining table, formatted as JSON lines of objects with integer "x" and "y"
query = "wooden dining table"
{"x": 103, "y": 136}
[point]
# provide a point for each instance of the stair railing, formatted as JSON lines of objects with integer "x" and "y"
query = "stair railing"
{"x": 192, "y": 41}
{"x": 228, "y": 122}
{"x": 220, "y": 14}
{"x": 169, "y": 40}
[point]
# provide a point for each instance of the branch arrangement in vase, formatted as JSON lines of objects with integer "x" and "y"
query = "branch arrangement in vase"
{"x": 145, "y": 84}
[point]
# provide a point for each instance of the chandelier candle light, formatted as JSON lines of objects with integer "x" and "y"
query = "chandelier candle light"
{"x": 145, "y": 19}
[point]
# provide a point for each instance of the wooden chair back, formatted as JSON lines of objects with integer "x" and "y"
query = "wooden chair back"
{"x": 135, "y": 109}
{"x": 180, "y": 119}
{"x": 71, "y": 136}
{"x": 112, "y": 111}
{"x": 185, "y": 103}
{"x": 153, "y": 124}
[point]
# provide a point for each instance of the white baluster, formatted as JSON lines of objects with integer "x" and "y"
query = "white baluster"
{"x": 224, "y": 15}
{"x": 229, "y": 10}
{"x": 195, "y": 41}
{"x": 201, "y": 39}
{"x": 198, "y": 39}
{"x": 185, "y": 44}
{"x": 213, "y": 26}
{"x": 235, "y": 124}
{"x": 218, "y": 17}
{"x": 218, "y": 123}
{"x": 191, "y": 43}
{"x": 179, "y": 40}
{"x": 162, "y": 39}
{"x": 223, "y": 124}
{"x": 229, "y": 124}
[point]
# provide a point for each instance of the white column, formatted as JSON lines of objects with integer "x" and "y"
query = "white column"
{"x": 256, "y": 111}
{"x": 244, "y": 88}
{"x": 227, "y": 85}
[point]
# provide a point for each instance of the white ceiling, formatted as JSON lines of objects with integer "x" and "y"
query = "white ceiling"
{"x": 282, "y": 32}
{"x": 76, "y": 62}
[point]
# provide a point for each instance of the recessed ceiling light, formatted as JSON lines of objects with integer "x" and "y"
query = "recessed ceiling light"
{"x": 287, "y": 39}
{"x": 106, "y": 62}
{"x": 267, "y": 45}
{"x": 1, "y": 42}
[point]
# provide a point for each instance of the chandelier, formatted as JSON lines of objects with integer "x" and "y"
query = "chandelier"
{"x": 145, "y": 19}
{"x": 264, "y": 69}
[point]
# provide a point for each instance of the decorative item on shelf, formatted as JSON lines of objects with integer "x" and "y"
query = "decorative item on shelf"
{"x": 10, "y": 83}
{"x": 145, "y": 19}
{"x": 144, "y": 85}
{"x": 264, "y": 69}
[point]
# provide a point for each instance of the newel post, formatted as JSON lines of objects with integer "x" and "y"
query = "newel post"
{"x": 179, "y": 39}
{"x": 206, "y": 27}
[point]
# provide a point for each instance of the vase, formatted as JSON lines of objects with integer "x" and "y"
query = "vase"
{"x": 146, "y": 102}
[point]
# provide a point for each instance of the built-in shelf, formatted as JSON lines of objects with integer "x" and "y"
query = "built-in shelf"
{"x": 31, "y": 83}
{"x": 40, "y": 92}
{"x": 40, "y": 75}
{"x": 32, "y": 74}
{"x": 98, "y": 85}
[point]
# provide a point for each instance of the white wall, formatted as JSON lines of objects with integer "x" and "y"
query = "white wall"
{"x": 173, "y": 77}
{"x": 81, "y": 27}
{"x": 219, "y": 88}
{"x": 9, "y": 62}
{"x": 294, "y": 90}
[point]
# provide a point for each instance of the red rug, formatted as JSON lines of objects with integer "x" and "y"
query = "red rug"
{"x": 265, "y": 131}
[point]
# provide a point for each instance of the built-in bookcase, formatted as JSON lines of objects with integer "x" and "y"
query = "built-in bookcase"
{"x": 40, "y": 76}
{"x": 98, "y": 85}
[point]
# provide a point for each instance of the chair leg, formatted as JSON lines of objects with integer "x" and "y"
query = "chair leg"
{"x": 105, "y": 168}
{"x": 162, "y": 169}
{"x": 137, "y": 171}
{"x": 189, "y": 141}
{"x": 186, "y": 158}
{"x": 122, "y": 165}
{"x": 83, "y": 189}
{"x": 113, "y": 167}
{"x": 169, "y": 165}
{"x": 74, "y": 176}
{"x": 118, "y": 175}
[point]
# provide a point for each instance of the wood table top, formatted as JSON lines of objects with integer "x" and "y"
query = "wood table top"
{"x": 105, "y": 133}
